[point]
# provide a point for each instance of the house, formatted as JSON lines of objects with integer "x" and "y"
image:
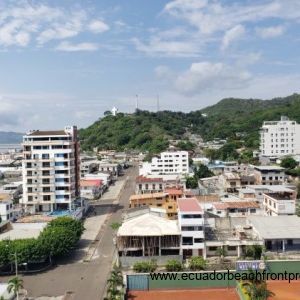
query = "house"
{"x": 279, "y": 203}
{"x": 279, "y": 233}
{"x": 91, "y": 188}
{"x": 269, "y": 175}
{"x": 230, "y": 181}
{"x": 191, "y": 224}
{"x": 146, "y": 185}
{"x": 235, "y": 208}
{"x": 148, "y": 236}
{"x": 6, "y": 210}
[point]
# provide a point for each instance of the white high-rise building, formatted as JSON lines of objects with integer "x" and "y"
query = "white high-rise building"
{"x": 280, "y": 138}
{"x": 169, "y": 163}
{"x": 51, "y": 170}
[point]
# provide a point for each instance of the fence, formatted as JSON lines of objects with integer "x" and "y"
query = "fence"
{"x": 145, "y": 282}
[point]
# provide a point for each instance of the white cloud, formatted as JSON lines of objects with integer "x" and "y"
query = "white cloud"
{"x": 213, "y": 16}
{"x": 98, "y": 26}
{"x": 231, "y": 35}
{"x": 69, "y": 47}
{"x": 207, "y": 75}
{"x": 270, "y": 32}
{"x": 22, "y": 22}
{"x": 159, "y": 46}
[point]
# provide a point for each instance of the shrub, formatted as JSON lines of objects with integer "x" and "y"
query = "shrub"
{"x": 174, "y": 265}
{"x": 145, "y": 266}
{"x": 197, "y": 263}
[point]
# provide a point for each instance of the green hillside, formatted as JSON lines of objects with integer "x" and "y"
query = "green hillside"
{"x": 150, "y": 131}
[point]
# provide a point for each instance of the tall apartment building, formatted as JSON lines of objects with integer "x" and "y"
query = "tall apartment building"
{"x": 279, "y": 138}
{"x": 176, "y": 162}
{"x": 51, "y": 169}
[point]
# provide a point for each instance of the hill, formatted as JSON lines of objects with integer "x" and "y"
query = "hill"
{"x": 10, "y": 137}
{"x": 150, "y": 131}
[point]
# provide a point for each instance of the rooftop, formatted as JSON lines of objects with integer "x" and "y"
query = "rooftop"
{"x": 189, "y": 205}
{"x": 148, "y": 225}
{"x": 23, "y": 231}
{"x": 269, "y": 168}
{"x": 148, "y": 196}
{"x": 90, "y": 182}
{"x": 47, "y": 132}
{"x": 174, "y": 191}
{"x": 280, "y": 227}
{"x": 142, "y": 178}
{"x": 280, "y": 196}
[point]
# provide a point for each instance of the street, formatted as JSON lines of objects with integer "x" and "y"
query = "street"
{"x": 80, "y": 277}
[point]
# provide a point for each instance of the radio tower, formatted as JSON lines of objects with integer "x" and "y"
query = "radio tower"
{"x": 136, "y": 102}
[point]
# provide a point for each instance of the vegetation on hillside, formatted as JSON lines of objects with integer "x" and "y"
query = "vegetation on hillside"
{"x": 237, "y": 120}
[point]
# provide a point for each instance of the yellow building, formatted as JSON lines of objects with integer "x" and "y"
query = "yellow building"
{"x": 166, "y": 200}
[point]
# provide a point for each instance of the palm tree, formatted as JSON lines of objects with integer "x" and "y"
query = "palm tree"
{"x": 259, "y": 291}
{"x": 115, "y": 284}
{"x": 14, "y": 285}
{"x": 222, "y": 252}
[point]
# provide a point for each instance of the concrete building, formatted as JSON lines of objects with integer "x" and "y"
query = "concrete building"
{"x": 6, "y": 210}
{"x": 148, "y": 236}
{"x": 279, "y": 203}
{"x": 145, "y": 185}
{"x": 191, "y": 224}
{"x": 51, "y": 170}
{"x": 166, "y": 200}
{"x": 176, "y": 162}
{"x": 269, "y": 175}
{"x": 279, "y": 234}
{"x": 280, "y": 138}
{"x": 236, "y": 208}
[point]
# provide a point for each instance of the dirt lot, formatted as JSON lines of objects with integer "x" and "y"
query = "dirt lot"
{"x": 284, "y": 290}
{"x": 207, "y": 294}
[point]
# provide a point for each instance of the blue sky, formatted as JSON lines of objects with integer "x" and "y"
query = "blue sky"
{"x": 66, "y": 62}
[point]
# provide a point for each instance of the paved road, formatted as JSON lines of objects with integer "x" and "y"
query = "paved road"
{"x": 84, "y": 280}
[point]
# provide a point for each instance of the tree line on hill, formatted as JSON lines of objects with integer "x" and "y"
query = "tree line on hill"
{"x": 237, "y": 120}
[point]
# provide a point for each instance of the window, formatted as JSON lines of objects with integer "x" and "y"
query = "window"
{"x": 212, "y": 248}
{"x": 47, "y": 197}
{"x": 45, "y": 156}
{"x": 197, "y": 240}
{"x": 186, "y": 240}
{"x": 191, "y": 216}
{"x": 231, "y": 248}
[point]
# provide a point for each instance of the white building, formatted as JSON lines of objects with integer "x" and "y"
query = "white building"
{"x": 280, "y": 138}
{"x": 277, "y": 203}
{"x": 6, "y": 210}
{"x": 176, "y": 162}
{"x": 51, "y": 169}
{"x": 269, "y": 175}
{"x": 191, "y": 224}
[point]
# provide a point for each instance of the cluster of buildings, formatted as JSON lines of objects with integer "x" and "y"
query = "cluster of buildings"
{"x": 241, "y": 205}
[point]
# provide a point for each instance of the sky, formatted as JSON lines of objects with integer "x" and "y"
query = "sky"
{"x": 65, "y": 62}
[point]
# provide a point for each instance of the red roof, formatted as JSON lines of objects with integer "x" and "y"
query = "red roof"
{"x": 141, "y": 178}
{"x": 188, "y": 205}
{"x": 91, "y": 182}
{"x": 175, "y": 192}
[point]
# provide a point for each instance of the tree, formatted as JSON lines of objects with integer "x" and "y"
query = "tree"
{"x": 174, "y": 265}
{"x": 197, "y": 263}
{"x": 145, "y": 266}
{"x": 258, "y": 291}
{"x": 191, "y": 182}
{"x": 115, "y": 225}
{"x": 107, "y": 113}
{"x": 14, "y": 285}
{"x": 222, "y": 252}
{"x": 289, "y": 163}
{"x": 254, "y": 251}
{"x": 202, "y": 171}
{"x": 115, "y": 289}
